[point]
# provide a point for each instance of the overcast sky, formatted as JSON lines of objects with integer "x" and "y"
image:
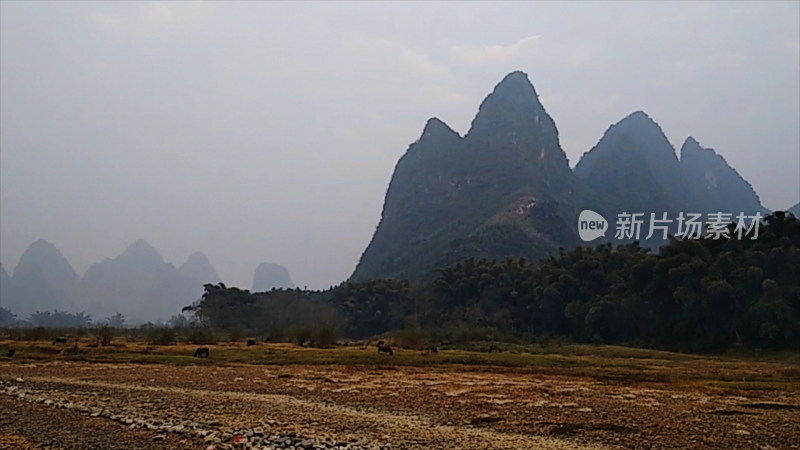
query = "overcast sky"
{"x": 269, "y": 131}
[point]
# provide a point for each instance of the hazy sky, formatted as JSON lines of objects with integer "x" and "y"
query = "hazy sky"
{"x": 269, "y": 131}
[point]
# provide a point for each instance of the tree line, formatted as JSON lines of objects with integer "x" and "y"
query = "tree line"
{"x": 692, "y": 295}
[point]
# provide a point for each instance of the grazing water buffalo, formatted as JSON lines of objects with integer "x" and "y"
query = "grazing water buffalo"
{"x": 493, "y": 348}
{"x": 434, "y": 350}
{"x": 201, "y": 352}
{"x": 251, "y": 342}
{"x": 59, "y": 340}
{"x": 10, "y": 353}
{"x": 385, "y": 348}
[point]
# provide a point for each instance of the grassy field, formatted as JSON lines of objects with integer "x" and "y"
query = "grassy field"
{"x": 734, "y": 371}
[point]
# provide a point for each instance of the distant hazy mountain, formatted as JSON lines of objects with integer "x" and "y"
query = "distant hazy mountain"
{"x": 199, "y": 267}
{"x": 795, "y": 210}
{"x": 505, "y": 188}
{"x": 268, "y": 276}
{"x": 5, "y": 286}
{"x": 138, "y": 284}
{"x": 713, "y": 185}
{"x": 42, "y": 280}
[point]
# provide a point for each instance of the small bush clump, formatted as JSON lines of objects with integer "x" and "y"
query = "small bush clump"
{"x": 303, "y": 335}
{"x": 200, "y": 335}
{"x": 325, "y": 337}
{"x": 104, "y": 333}
{"x": 160, "y": 335}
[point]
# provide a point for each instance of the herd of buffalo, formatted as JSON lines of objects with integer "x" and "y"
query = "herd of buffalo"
{"x": 204, "y": 352}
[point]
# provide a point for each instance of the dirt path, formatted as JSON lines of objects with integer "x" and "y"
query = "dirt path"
{"x": 374, "y": 407}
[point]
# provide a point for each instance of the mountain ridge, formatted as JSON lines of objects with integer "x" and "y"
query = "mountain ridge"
{"x": 505, "y": 188}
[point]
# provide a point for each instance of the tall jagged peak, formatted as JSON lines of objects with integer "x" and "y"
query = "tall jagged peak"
{"x": 512, "y": 104}
{"x": 515, "y": 82}
{"x": 637, "y": 133}
{"x": 691, "y": 149}
{"x": 693, "y": 153}
{"x": 691, "y": 141}
{"x": 513, "y": 124}
{"x": 446, "y": 188}
{"x": 644, "y": 129}
{"x": 436, "y": 127}
{"x": 438, "y": 136}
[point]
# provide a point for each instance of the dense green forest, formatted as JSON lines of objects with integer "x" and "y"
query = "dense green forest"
{"x": 693, "y": 295}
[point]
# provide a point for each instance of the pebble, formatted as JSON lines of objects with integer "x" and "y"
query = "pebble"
{"x": 214, "y": 436}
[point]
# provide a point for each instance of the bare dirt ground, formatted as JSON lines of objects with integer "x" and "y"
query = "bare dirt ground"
{"x": 68, "y": 404}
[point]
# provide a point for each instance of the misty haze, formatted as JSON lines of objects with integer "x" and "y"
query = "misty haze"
{"x": 321, "y": 209}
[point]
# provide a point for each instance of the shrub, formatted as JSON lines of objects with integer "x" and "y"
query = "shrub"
{"x": 302, "y": 335}
{"x": 15, "y": 334}
{"x": 463, "y": 335}
{"x": 104, "y": 333}
{"x": 325, "y": 337}
{"x": 198, "y": 334}
{"x": 236, "y": 334}
{"x": 277, "y": 335}
{"x": 37, "y": 333}
{"x": 411, "y": 337}
{"x": 160, "y": 335}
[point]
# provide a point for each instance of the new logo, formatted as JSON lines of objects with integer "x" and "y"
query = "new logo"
{"x": 591, "y": 225}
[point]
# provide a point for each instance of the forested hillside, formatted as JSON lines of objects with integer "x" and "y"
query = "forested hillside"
{"x": 694, "y": 294}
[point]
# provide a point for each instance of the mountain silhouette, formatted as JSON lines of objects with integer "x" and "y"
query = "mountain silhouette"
{"x": 713, "y": 185}
{"x": 505, "y": 188}
{"x": 138, "y": 283}
{"x": 42, "y": 280}
{"x": 198, "y": 266}
{"x": 268, "y": 276}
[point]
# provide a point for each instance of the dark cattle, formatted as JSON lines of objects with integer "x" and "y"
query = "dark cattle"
{"x": 59, "y": 340}
{"x": 201, "y": 352}
{"x": 493, "y": 348}
{"x": 434, "y": 350}
{"x": 10, "y": 353}
{"x": 251, "y": 342}
{"x": 385, "y": 348}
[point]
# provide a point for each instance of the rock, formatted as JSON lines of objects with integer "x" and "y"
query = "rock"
{"x": 485, "y": 419}
{"x": 159, "y": 437}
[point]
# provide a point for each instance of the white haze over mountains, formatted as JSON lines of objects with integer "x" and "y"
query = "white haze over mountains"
{"x": 269, "y": 131}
